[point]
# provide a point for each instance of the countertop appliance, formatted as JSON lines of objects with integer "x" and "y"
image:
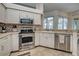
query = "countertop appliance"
{"x": 3, "y": 29}
{"x": 26, "y": 21}
{"x": 62, "y": 42}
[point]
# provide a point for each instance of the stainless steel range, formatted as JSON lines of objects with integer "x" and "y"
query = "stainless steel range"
{"x": 26, "y": 38}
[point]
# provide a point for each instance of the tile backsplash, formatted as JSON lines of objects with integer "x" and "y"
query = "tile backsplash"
{"x": 1, "y": 25}
{"x": 17, "y": 27}
{"x": 9, "y": 27}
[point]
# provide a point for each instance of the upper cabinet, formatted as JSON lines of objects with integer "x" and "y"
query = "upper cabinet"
{"x": 2, "y": 13}
{"x": 12, "y": 16}
{"x": 37, "y": 19}
{"x": 24, "y": 14}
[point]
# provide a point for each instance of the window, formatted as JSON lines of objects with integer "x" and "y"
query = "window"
{"x": 75, "y": 23}
{"x": 62, "y": 22}
{"x": 48, "y": 23}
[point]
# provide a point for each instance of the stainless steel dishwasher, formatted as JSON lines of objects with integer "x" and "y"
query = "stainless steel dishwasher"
{"x": 65, "y": 46}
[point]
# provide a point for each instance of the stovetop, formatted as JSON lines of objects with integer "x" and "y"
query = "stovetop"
{"x": 26, "y": 33}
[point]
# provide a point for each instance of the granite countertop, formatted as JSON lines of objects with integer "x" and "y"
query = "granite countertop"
{"x": 60, "y": 32}
{"x": 45, "y": 31}
{"x": 7, "y": 33}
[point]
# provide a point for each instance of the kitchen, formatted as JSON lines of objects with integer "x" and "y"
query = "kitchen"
{"x": 25, "y": 29}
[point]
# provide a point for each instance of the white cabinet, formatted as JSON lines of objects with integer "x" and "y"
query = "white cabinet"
{"x": 5, "y": 46}
{"x": 15, "y": 42}
{"x": 37, "y": 19}
{"x": 9, "y": 43}
{"x": 44, "y": 39}
{"x": 12, "y": 16}
{"x": 47, "y": 39}
{"x": 37, "y": 38}
{"x": 51, "y": 40}
{"x": 31, "y": 15}
{"x": 23, "y": 14}
{"x": 2, "y": 13}
{"x": 41, "y": 35}
{"x": 26, "y": 15}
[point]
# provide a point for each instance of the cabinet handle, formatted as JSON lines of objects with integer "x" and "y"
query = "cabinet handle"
{"x": 2, "y": 48}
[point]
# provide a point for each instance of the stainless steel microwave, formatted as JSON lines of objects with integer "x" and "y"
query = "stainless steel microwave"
{"x": 26, "y": 21}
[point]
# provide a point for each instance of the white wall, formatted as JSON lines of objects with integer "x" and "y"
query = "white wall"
{"x": 56, "y": 12}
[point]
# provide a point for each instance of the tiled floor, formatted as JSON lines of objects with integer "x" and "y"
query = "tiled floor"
{"x": 42, "y": 51}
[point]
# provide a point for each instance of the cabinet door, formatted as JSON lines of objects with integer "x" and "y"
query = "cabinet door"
{"x": 2, "y": 13}
{"x": 12, "y": 16}
{"x": 31, "y": 15}
{"x": 23, "y": 14}
{"x": 41, "y": 39}
{"x": 5, "y": 46}
{"x": 37, "y": 19}
{"x": 1, "y": 47}
{"x": 26, "y": 15}
{"x": 37, "y": 39}
{"x": 51, "y": 40}
{"x": 71, "y": 43}
{"x": 47, "y": 39}
{"x": 15, "y": 42}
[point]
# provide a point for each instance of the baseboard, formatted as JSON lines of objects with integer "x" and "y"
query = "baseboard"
{"x": 53, "y": 48}
{"x": 14, "y": 51}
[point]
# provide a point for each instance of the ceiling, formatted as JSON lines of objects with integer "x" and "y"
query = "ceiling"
{"x": 66, "y": 7}
{"x": 32, "y": 5}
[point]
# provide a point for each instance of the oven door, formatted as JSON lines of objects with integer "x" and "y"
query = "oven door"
{"x": 26, "y": 40}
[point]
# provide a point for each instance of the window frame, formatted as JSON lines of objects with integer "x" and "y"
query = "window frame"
{"x": 63, "y": 23}
{"x": 47, "y": 21}
{"x": 75, "y": 23}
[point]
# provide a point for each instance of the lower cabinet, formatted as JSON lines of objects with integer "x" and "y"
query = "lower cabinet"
{"x": 37, "y": 39}
{"x": 9, "y": 43}
{"x": 5, "y": 46}
{"x": 50, "y": 40}
{"x": 15, "y": 42}
{"x": 44, "y": 39}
